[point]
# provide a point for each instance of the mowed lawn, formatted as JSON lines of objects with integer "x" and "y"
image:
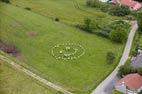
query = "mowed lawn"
{"x": 68, "y": 11}
{"x": 78, "y": 76}
{"x": 14, "y": 82}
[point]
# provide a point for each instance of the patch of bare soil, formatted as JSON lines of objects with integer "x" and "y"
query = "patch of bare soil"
{"x": 9, "y": 48}
{"x": 16, "y": 24}
{"x": 32, "y": 33}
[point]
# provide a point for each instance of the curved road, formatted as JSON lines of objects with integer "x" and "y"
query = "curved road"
{"x": 107, "y": 85}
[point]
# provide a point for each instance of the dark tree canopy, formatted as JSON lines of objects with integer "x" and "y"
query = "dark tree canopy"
{"x": 110, "y": 57}
{"x": 118, "y": 35}
{"x": 139, "y": 19}
{"x": 139, "y": 0}
{"x": 120, "y": 11}
{"x": 6, "y": 1}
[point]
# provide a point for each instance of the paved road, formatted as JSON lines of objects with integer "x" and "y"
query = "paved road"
{"x": 33, "y": 75}
{"x": 106, "y": 86}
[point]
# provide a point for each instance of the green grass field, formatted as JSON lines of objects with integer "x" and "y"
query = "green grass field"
{"x": 66, "y": 10}
{"x": 79, "y": 76}
{"x": 14, "y": 82}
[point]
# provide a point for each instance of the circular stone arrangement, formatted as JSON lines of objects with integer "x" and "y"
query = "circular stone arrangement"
{"x": 68, "y": 51}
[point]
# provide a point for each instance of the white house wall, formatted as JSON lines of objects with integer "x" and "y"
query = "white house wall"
{"x": 103, "y": 0}
{"x": 121, "y": 88}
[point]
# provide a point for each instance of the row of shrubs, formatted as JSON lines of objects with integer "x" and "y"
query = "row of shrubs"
{"x": 6, "y": 1}
{"x": 137, "y": 44}
{"x": 106, "y": 7}
{"x": 97, "y": 4}
{"x": 127, "y": 69}
{"x": 116, "y": 31}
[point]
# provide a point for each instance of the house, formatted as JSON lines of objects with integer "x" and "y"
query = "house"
{"x": 129, "y": 84}
{"x": 133, "y": 5}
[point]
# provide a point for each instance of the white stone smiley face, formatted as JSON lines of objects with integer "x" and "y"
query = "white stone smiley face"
{"x": 68, "y": 51}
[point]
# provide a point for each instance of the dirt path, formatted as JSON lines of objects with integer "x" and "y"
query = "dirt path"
{"x": 33, "y": 75}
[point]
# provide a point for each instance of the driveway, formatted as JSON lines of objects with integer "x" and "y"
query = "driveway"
{"x": 107, "y": 85}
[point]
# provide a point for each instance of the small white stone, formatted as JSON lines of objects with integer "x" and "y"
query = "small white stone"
{"x": 68, "y": 48}
{"x": 61, "y": 52}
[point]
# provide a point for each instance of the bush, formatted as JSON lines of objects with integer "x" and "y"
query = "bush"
{"x": 27, "y": 8}
{"x": 120, "y": 11}
{"x": 124, "y": 70}
{"x": 6, "y": 1}
{"x": 118, "y": 35}
{"x": 134, "y": 53}
{"x": 110, "y": 57}
{"x": 57, "y": 19}
{"x": 97, "y": 4}
{"x": 86, "y": 26}
{"x": 93, "y": 3}
{"x": 118, "y": 31}
{"x": 17, "y": 5}
{"x": 130, "y": 17}
{"x": 119, "y": 23}
{"x": 89, "y": 3}
{"x": 137, "y": 46}
{"x": 139, "y": 19}
{"x": 139, "y": 70}
{"x": 105, "y": 7}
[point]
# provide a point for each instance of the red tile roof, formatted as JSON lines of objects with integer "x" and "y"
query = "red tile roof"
{"x": 134, "y": 5}
{"x": 132, "y": 81}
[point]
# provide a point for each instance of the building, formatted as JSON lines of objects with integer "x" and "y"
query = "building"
{"x": 133, "y": 5}
{"x": 130, "y": 84}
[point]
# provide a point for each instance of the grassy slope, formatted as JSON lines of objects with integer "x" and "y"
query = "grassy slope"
{"x": 65, "y": 10}
{"x": 78, "y": 75}
{"x": 140, "y": 40}
{"x": 116, "y": 92}
{"x": 14, "y": 82}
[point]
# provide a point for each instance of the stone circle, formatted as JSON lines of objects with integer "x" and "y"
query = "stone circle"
{"x": 67, "y": 51}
